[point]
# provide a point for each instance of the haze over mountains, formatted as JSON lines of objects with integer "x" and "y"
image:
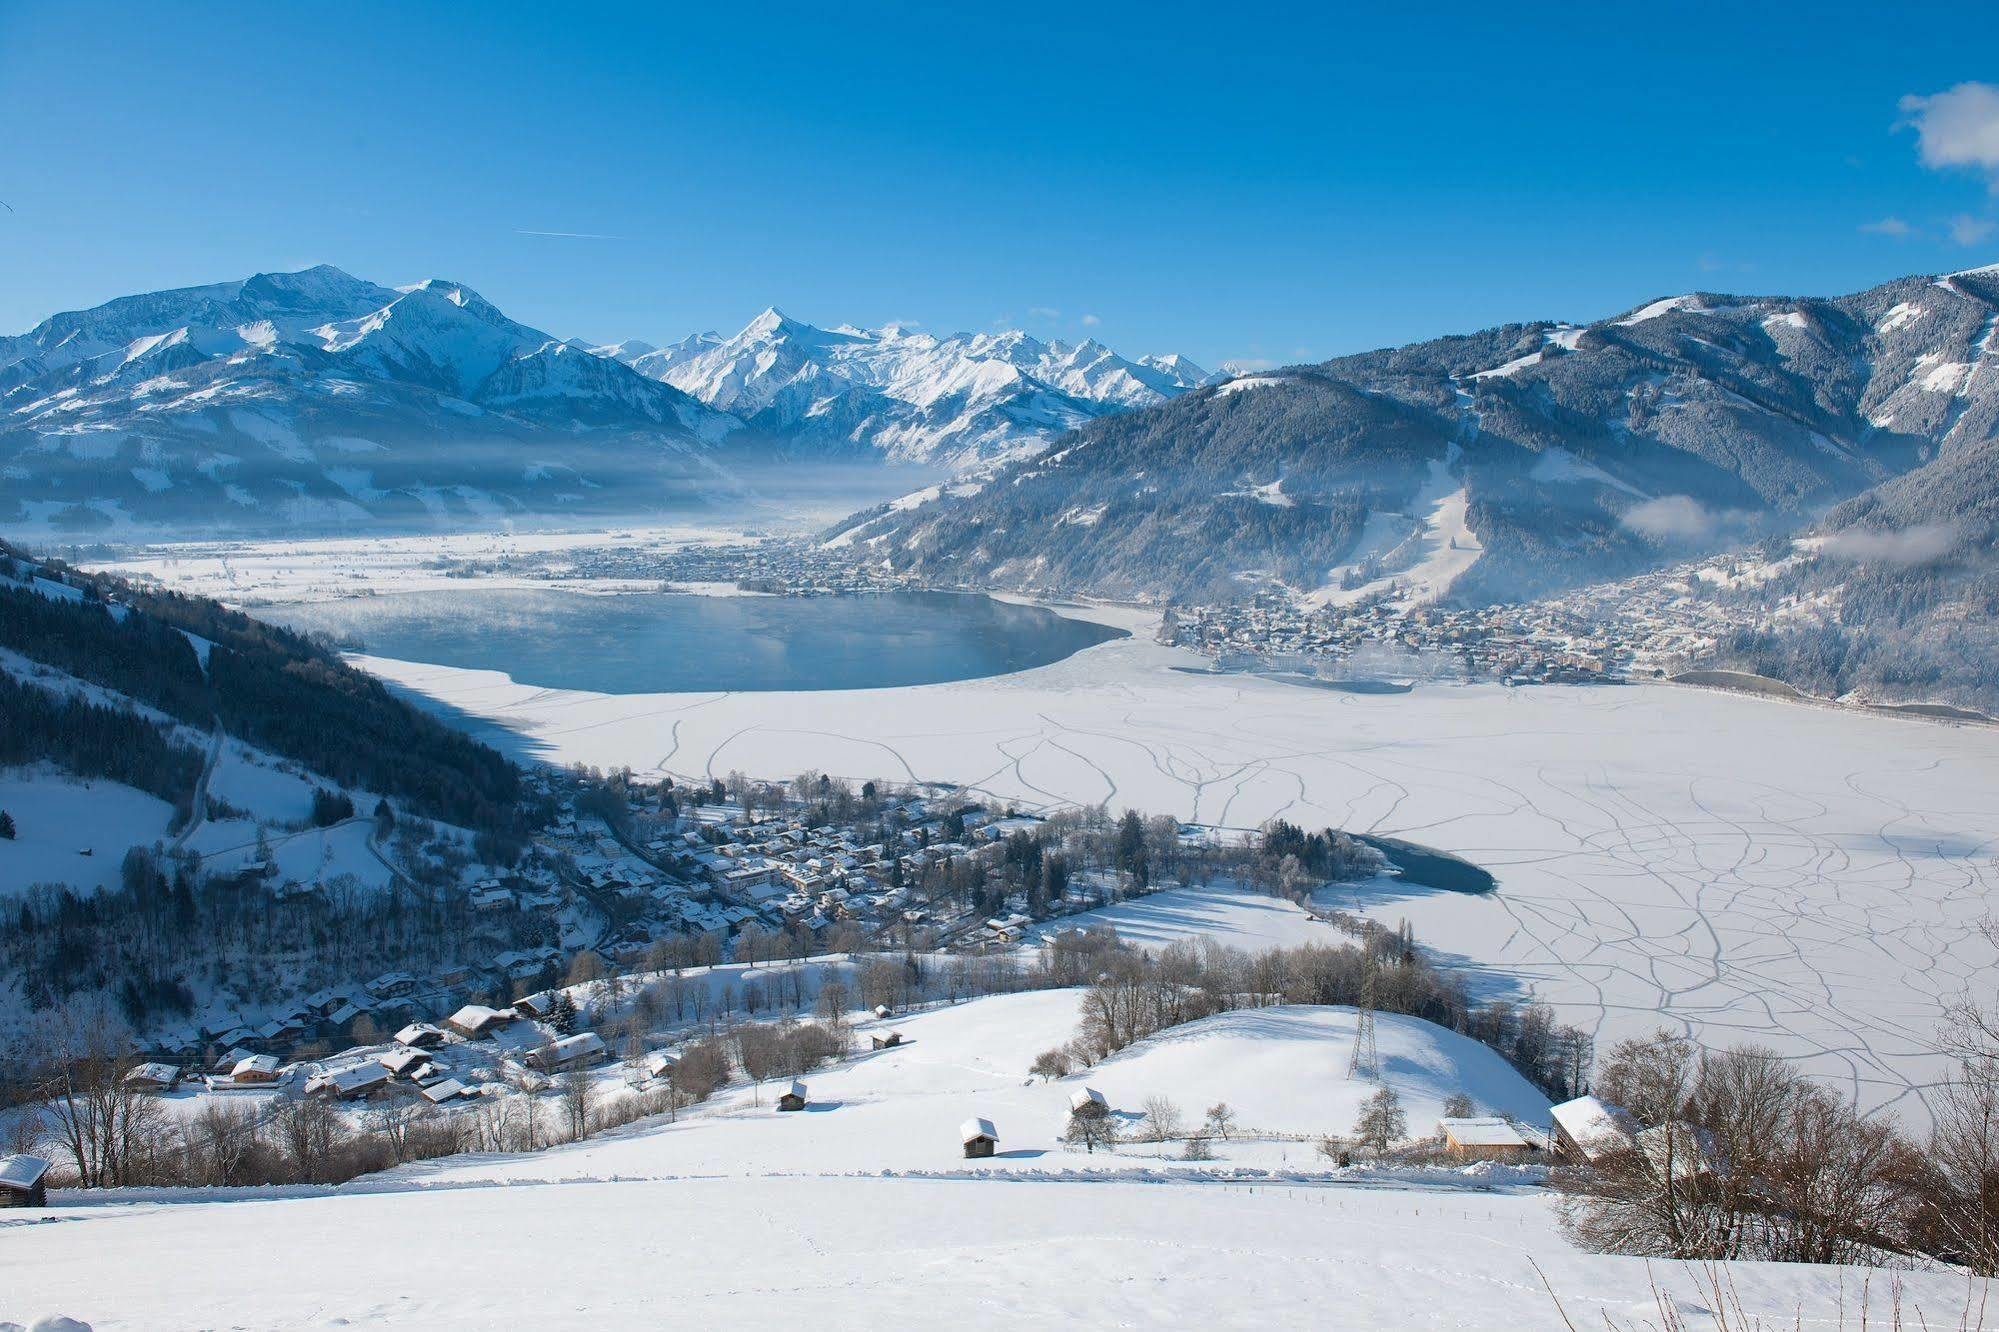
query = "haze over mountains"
{"x": 321, "y": 400}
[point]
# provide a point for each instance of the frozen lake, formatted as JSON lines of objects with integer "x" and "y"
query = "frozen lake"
{"x": 650, "y": 642}
{"x": 1739, "y": 869}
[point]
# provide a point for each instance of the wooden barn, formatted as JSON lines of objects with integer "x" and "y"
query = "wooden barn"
{"x": 1587, "y": 1130}
{"x": 887, "y": 1042}
{"x": 1484, "y": 1138}
{"x": 793, "y": 1099}
{"x": 979, "y": 1136}
{"x": 1088, "y": 1103}
{"x": 21, "y": 1181}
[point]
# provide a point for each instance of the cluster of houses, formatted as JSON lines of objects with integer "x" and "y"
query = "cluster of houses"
{"x": 427, "y": 1060}
{"x": 1533, "y": 644}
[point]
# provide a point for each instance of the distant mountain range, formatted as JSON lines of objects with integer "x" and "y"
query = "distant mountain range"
{"x": 320, "y": 400}
{"x": 1506, "y": 463}
{"x": 906, "y": 395}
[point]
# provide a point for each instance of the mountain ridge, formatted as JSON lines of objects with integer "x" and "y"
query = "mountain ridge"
{"x": 1573, "y": 451}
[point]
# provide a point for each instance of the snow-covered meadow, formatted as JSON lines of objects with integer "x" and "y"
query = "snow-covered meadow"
{"x": 861, "y": 1209}
{"x": 1743, "y": 869}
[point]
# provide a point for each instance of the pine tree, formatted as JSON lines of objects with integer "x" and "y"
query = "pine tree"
{"x": 6, "y": 825}
{"x": 562, "y": 1014}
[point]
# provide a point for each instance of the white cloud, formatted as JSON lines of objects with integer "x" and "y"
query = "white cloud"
{"x": 1091, "y": 321}
{"x": 1682, "y": 518}
{"x": 1906, "y": 546}
{"x": 1888, "y": 226}
{"x": 1043, "y": 312}
{"x": 1968, "y": 230}
{"x": 1958, "y": 128}
{"x": 1671, "y": 517}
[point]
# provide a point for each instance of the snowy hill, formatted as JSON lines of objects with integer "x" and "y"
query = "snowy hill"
{"x": 908, "y": 395}
{"x": 319, "y": 399}
{"x": 861, "y": 1209}
{"x": 1284, "y": 1070}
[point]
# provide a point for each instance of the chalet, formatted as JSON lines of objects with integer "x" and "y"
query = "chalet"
{"x": 979, "y": 1137}
{"x": 1484, "y": 1138}
{"x": 349, "y": 1084}
{"x": 259, "y": 1069}
{"x": 234, "y": 1056}
{"x": 342, "y": 1019}
{"x": 403, "y": 1062}
{"x": 1088, "y": 1103}
{"x": 421, "y": 1036}
{"x": 659, "y": 1065}
{"x": 882, "y": 1010}
{"x": 152, "y": 1077}
{"x": 450, "y": 1089}
{"x": 21, "y": 1181}
{"x": 579, "y": 1051}
{"x": 793, "y": 1099}
{"x": 888, "y": 1041}
{"x": 392, "y": 985}
{"x": 1587, "y": 1130}
{"x": 535, "y": 1006}
{"x": 476, "y": 1021}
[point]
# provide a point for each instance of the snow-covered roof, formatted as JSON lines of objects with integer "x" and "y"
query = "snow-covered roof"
{"x": 582, "y": 1043}
{"x": 798, "y": 1090}
{"x": 477, "y": 1016}
{"x": 449, "y": 1089}
{"x": 1481, "y": 1131}
{"x": 1083, "y": 1096}
{"x": 356, "y": 1077}
{"x": 403, "y": 1059}
{"x": 976, "y": 1127}
{"x": 417, "y": 1031}
{"x": 22, "y": 1171}
{"x": 166, "y": 1073}
{"x": 253, "y": 1064}
{"x": 1594, "y": 1125}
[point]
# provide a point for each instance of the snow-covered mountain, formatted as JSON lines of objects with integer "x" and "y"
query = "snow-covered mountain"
{"x": 1509, "y": 463}
{"x": 907, "y": 395}
{"x": 321, "y": 399}
{"x": 318, "y": 399}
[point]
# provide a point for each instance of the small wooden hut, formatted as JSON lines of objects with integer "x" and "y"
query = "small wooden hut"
{"x": 979, "y": 1137}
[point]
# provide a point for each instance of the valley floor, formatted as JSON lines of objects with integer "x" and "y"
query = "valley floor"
{"x": 1741, "y": 869}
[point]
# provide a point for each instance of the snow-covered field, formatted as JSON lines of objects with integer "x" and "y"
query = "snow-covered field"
{"x": 58, "y": 819}
{"x": 861, "y": 1211}
{"x": 1238, "y": 917}
{"x": 1743, "y": 869}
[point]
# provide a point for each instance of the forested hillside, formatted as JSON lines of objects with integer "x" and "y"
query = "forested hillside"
{"x": 1573, "y": 453}
{"x": 203, "y": 665}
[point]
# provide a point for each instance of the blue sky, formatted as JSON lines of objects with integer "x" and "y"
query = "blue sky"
{"x": 1251, "y": 182}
